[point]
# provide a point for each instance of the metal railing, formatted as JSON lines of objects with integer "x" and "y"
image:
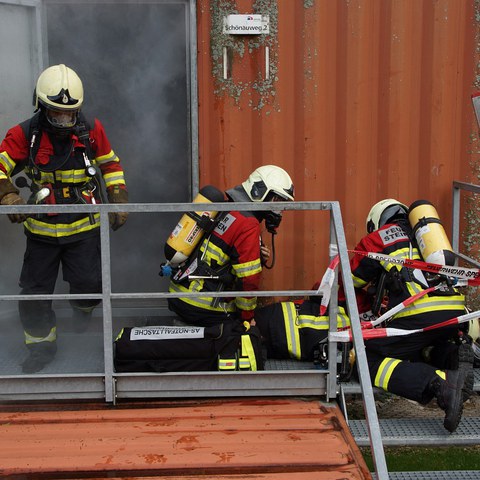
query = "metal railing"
{"x": 110, "y": 385}
{"x": 458, "y": 187}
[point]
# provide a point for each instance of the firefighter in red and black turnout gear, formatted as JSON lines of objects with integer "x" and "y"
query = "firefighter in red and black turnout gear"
{"x": 399, "y": 364}
{"x": 64, "y": 155}
{"x": 230, "y": 257}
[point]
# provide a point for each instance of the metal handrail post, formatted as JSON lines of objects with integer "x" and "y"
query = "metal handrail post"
{"x": 456, "y": 218}
{"x": 376, "y": 444}
{"x": 107, "y": 306}
{"x": 333, "y": 311}
{"x": 457, "y": 188}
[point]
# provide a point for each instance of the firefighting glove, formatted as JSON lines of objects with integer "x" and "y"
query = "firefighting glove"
{"x": 117, "y": 195}
{"x": 14, "y": 199}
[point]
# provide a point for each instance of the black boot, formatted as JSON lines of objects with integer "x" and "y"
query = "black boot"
{"x": 465, "y": 361}
{"x": 449, "y": 394}
{"x": 40, "y": 356}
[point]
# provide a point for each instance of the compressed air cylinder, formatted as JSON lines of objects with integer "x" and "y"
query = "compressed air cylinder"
{"x": 430, "y": 235}
{"x": 186, "y": 235}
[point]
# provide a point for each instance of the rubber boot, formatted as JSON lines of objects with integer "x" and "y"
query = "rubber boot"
{"x": 40, "y": 355}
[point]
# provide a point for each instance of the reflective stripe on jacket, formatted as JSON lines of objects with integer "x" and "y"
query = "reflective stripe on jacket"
{"x": 61, "y": 167}
{"x": 393, "y": 240}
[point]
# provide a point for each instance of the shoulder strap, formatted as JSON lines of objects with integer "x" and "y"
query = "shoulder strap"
{"x": 82, "y": 131}
{"x": 32, "y": 133}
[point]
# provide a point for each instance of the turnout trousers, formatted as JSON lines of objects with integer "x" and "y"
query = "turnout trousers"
{"x": 406, "y": 365}
{"x": 81, "y": 267}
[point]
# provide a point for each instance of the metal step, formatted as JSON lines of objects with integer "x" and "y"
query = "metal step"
{"x": 410, "y": 432}
{"x": 440, "y": 475}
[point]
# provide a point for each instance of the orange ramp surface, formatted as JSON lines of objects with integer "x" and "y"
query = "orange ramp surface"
{"x": 280, "y": 439}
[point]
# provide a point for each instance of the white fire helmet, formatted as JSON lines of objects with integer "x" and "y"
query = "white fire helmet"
{"x": 60, "y": 91}
{"x": 383, "y": 211}
{"x": 269, "y": 181}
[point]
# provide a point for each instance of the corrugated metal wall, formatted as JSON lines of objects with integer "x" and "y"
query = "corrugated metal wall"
{"x": 364, "y": 100}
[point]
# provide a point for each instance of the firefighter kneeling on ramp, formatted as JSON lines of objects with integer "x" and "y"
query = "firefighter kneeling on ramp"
{"x": 437, "y": 363}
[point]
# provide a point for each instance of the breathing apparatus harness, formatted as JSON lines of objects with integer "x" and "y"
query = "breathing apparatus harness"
{"x": 33, "y": 170}
{"x": 395, "y": 279}
{"x": 195, "y": 268}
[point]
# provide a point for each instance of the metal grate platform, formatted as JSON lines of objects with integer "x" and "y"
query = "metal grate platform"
{"x": 80, "y": 353}
{"x": 441, "y": 475}
{"x": 419, "y": 432}
{"x": 83, "y": 353}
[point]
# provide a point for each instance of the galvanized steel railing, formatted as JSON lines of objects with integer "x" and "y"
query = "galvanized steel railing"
{"x": 143, "y": 385}
{"x": 456, "y": 197}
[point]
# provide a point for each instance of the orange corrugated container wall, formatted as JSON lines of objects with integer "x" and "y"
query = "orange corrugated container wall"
{"x": 358, "y": 100}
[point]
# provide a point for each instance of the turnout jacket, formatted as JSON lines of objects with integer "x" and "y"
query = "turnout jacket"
{"x": 59, "y": 163}
{"x": 233, "y": 248}
{"x": 394, "y": 239}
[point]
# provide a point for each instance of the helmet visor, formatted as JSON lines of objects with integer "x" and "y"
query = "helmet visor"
{"x": 273, "y": 196}
{"x": 391, "y": 213}
{"x": 62, "y": 119}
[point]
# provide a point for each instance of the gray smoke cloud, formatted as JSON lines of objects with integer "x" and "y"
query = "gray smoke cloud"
{"x": 132, "y": 59}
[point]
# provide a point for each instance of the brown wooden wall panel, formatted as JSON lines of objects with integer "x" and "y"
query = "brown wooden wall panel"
{"x": 367, "y": 99}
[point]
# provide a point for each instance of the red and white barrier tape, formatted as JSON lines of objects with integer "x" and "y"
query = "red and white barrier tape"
{"x": 369, "y": 334}
{"x": 471, "y": 275}
{"x": 325, "y": 288}
{"x": 398, "y": 308}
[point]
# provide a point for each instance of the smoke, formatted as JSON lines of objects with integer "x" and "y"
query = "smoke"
{"x": 132, "y": 59}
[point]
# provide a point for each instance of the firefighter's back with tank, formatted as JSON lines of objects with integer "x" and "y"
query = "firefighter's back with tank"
{"x": 229, "y": 257}
{"x": 424, "y": 365}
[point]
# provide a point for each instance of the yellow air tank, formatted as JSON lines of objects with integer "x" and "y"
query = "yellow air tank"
{"x": 430, "y": 235}
{"x": 191, "y": 228}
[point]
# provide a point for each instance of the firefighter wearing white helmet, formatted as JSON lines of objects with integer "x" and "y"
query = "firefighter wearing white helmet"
{"x": 268, "y": 182}
{"x": 383, "y": 212}
{"x": 229, "y": 258}
{"x": 59, "y": 91}
{"x": 395, "y": 363}
{"x": 66, "y": 157}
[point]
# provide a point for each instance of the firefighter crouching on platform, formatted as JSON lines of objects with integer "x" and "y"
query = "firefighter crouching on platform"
{"x": 230, "y": 257}
{"x": 61, "y": 150}
{"x": 397, "y": 364}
